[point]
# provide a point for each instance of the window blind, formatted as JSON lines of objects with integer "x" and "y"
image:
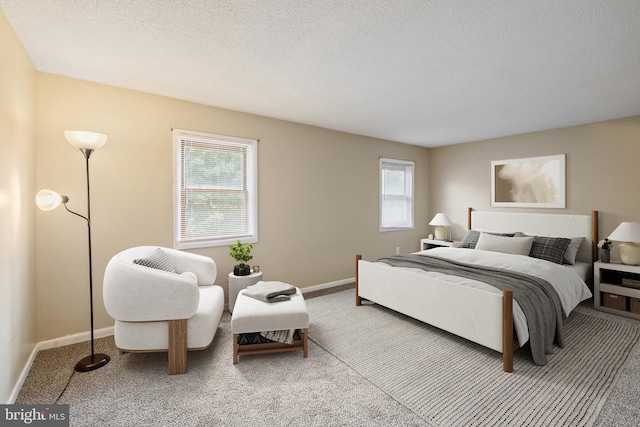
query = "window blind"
{"x": 216, "y": 200}
{"x": 396, "y": 194}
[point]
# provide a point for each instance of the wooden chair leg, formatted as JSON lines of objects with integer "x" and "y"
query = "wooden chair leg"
{"x": 177, "y": 346}
{"x": 235, "y": 349}
{"x": 305, "y": 346}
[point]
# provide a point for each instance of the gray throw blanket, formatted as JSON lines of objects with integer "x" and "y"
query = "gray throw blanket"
{"x": 270, "y": 291}
{"x": 537, "y": 298}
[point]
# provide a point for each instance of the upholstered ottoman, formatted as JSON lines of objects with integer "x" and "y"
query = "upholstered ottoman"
{"x": 251, "y": 315}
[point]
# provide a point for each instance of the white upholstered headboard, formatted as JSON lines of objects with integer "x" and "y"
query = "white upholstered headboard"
{"x": 556, "y": 225}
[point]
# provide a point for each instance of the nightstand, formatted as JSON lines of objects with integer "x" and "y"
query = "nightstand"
{"x": 433, "y": 243}
{"x": 616, "y": 288}
{"x": 238, "y": 283}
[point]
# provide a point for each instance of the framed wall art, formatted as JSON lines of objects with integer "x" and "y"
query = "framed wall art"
{"x": 536, "y": 182}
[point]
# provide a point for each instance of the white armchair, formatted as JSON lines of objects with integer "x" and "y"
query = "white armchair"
{"x": 158, "y": 310}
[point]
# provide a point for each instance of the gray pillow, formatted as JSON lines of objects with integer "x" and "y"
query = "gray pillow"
{"x": 549, "y": 248}
{"x": 471, "y": 239}
{"x": 158, "y": 260}
{"x": 572, "y": 250}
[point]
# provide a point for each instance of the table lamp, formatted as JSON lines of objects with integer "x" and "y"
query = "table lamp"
{"x": 628, "y": 232}
{"x": 441, "y": 222}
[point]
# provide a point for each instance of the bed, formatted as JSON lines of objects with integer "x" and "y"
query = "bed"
{"x": 482, "y": 314}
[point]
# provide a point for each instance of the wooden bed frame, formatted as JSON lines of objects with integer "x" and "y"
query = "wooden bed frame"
{"x": 483, "y": 317}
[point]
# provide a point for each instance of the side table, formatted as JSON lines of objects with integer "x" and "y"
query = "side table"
{"x": 238, "y": 283}
{"x": 433, "y": 243}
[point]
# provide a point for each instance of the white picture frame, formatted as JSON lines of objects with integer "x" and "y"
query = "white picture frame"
{"x": 534, "y": 182}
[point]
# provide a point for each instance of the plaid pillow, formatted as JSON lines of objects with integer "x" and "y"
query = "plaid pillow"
{"x": 470, "y": 239}
{"x": 549, "y": 248}
{"x": 158, "y": 260}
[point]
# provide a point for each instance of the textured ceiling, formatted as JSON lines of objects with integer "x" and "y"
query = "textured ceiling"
{"x": 424, "y": 72}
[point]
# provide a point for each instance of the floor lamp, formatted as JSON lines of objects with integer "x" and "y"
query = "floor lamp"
{"x": 48, "y": 200}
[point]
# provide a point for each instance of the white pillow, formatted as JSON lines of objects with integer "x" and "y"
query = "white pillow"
{"x": 191, "y": 276}
{"x": 507, "y": 245}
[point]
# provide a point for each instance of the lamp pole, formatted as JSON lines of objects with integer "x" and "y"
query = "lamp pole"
{"x": 94, "y": 361}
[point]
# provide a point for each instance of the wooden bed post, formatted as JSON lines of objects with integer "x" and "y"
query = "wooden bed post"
{"x": 469, "y": 218}
{"x": 507, "y": 330}
{"x": 358, "y": 299}
{"x": 594, "y": 236}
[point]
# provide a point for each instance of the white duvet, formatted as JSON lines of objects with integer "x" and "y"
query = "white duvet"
{"x": 570, "y": 287}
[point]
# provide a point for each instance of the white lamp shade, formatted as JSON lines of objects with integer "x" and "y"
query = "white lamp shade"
{"x": 48, "y": 200}
{"x": 440, "y": 220}
{"x": 626, "y": 232}
{"x": 83, "y": 139}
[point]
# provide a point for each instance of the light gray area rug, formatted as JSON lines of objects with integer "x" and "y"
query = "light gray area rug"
{"x": 449, "y": 381}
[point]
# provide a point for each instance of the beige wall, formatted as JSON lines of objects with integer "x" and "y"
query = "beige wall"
{"x": 318, "y": 193}
{"x": 17, "y": 210}
{"x": 602, "y": 171}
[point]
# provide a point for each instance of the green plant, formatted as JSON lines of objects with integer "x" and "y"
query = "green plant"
{"x": 240, "y": 252}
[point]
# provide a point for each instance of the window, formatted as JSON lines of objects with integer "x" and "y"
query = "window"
{"x": 396, "y": 194}
{"x": 216, "y": 189}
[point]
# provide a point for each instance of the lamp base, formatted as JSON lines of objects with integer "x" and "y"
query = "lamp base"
{"x": 629, "y": 253}
{"x": 441, "y": 233}
{"x": 92, "y": 362}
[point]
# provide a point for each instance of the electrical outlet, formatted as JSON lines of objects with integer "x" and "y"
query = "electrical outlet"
{"x": 397, "y": 250}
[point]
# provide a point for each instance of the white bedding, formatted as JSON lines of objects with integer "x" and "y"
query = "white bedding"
{"x": 566, "y": 281}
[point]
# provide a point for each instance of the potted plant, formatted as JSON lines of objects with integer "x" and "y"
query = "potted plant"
{"x": 242, "y": 254}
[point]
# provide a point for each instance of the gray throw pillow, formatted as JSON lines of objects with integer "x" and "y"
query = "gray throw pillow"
{"x": 549, "y": 248}
{"x": 470, "y": 239}
{"x": 572, "y": 250}
{"x": 158, "y": 260}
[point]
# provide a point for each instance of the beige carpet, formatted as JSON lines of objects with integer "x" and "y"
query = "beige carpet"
{"x": 388, "y": 370}
{"x": 449, "y": 381}
{"x": 267, "y": 390}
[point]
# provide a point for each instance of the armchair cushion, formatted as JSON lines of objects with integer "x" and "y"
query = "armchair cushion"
{"x": 158, "y": 260}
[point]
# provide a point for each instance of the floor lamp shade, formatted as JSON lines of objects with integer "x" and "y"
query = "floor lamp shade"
{"x": 48, "y": 200}
{"x": 628, "y": 232}
{"x": 441, "y": 222}
{"x": 87, "y": 140}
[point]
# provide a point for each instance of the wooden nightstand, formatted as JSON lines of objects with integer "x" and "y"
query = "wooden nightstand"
{"x": 616, "y": 288}
{"x": 433, "y": 243}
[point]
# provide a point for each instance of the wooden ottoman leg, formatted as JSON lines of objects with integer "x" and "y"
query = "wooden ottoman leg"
{"x": 235, "y": 349}
{"x": 305, "y": 346}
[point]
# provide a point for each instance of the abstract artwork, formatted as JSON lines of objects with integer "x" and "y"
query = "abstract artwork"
{"x": 536, "y": 182}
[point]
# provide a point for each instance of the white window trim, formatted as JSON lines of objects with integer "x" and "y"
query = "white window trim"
{"x": 411, "y": 189}
{"x": 177, "y": 208}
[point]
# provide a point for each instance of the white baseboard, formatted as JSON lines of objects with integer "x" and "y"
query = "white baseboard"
{"x": 54, "y": 343}
{"x": 328, "y": 285}
{"x": 74, "y": 338}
